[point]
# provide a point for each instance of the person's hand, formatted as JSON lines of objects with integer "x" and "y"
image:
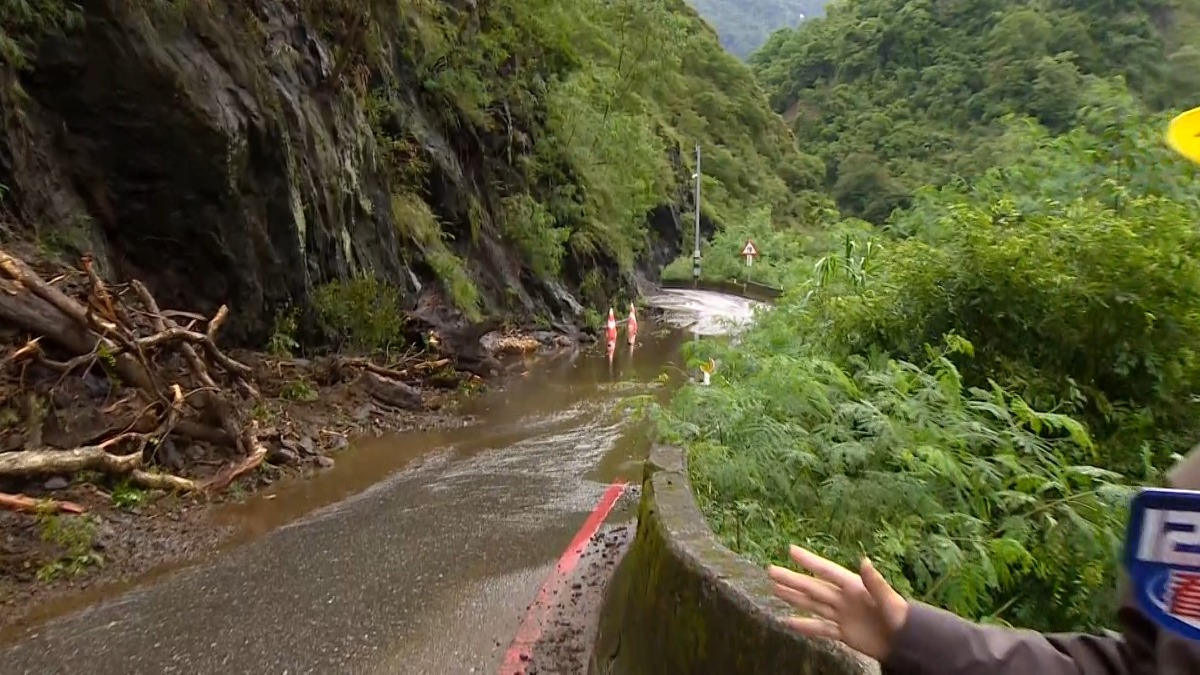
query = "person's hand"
{"x": 860, "y": 610}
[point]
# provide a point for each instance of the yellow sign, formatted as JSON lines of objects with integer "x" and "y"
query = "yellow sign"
{"x": 1183, "y": 134}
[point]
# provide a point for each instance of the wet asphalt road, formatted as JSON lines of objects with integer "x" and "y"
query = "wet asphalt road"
{"x": 429, "y": 570}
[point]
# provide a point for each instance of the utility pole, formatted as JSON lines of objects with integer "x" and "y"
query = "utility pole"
{"x": 696, "y": 253}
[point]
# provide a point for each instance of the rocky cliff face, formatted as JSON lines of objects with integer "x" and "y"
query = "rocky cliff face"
{"x": 219, "y": 156}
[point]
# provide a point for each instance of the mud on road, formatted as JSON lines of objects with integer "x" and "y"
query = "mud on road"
{"x": 467, "y": 537}
{"x": 50, "y": 561}
{"x": 566, "y": 642}
{"x": 126, "y": 532}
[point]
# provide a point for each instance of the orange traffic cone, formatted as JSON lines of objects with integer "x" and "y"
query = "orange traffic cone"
{"x": 633, "y": 327}
{"x": 612, "y": 326}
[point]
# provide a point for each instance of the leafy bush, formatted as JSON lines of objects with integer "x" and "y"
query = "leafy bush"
{"x": 990, "y": 476}
{"x": 363, "y": 314}
{"x": 781, "y": 250}
{"x": 1079, "y": 288}
{"x": 965, "y": 497}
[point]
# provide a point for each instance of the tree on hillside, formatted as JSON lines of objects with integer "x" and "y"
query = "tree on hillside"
{"x": 969, "y": 394}
{"x": 744, "y": 25}
{"x": 921, "y": 85}
{"x": 593, "y": 107}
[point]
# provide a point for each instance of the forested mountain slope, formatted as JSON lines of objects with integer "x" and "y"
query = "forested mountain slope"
{"x": 896, "y": 94}
{"x": 992, "y": 366}
{"x": 508, "y": 158}
{"x": 744, "y": 25}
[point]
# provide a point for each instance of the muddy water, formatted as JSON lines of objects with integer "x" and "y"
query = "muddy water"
{"x": 415, "y": 553}
{"x": 563, "y": 402}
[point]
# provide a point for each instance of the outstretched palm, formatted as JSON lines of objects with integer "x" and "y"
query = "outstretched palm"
{"x": 860, "y": 610}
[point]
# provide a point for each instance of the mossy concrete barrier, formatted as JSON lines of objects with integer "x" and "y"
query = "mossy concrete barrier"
{"x": 681, "y": 602}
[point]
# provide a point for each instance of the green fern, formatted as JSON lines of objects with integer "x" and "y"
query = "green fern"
{"x": 950, "y": 489}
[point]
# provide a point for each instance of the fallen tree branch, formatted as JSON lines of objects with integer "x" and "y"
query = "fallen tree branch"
{"x": 390, "y": 372}
{"x": 30, "y": 505}
{"x": 172, "y": 416}
{"x": 33, "y": 350}
{"x": 104, "y": 327}
{"x": 101, "y": 300}
{"x": 30, "y": 350}
{"x": 215, "y": 324}
{"x": 176, "y": 334}
{"x": 430, "y": 365}
{"x": 160, "y": 325}
{"x": 168, "y": 327}
{"x": 255, "y": 457}
{"x": 151, "y": 480}
{"x": 68, "y": 329}
{"x": 26, "y": 463}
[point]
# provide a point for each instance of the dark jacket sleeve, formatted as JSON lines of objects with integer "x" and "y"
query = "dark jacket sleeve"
{"x": 933, "y": 641}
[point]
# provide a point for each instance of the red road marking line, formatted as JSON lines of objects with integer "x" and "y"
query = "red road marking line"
{"x": 516, "y": 659}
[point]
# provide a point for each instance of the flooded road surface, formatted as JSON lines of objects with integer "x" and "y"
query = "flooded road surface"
{"x": 424, "y": 550}
{"x": 723, "y": 314}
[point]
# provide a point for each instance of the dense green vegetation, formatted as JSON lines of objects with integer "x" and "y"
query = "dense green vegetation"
{"x": 593, "y": 108}
{"x": 574, "y": 119}
{"x": 778, "y": 248}
{"x": 895, "y": 95}
{"x": 967, "y": 401}
{"x": 969, "y": 390}
{"x": 744, "y": 25}
{"x": 987, "y": 334}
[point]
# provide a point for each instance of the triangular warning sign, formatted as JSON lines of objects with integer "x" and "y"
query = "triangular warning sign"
{"x": 749, "y": 248}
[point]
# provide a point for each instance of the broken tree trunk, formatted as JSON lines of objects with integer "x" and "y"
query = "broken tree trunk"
{"x": 391, "y": 392}
{"x": 44, "y": 461}
{"x": 34, "y": 314}
{"x": 254, "y": 458}
{"x": 31, "y": 505}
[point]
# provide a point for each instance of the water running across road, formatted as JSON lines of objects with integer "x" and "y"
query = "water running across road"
{"x": 416, "y": 553}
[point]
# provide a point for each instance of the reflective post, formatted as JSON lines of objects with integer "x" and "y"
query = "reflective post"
{"x": 696, "y": 251}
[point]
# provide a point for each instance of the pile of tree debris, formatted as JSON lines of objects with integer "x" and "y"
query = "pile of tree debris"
{"x": 150, "y": 375}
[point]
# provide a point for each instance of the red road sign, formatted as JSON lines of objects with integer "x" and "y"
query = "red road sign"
{"x": 748, "y": 249}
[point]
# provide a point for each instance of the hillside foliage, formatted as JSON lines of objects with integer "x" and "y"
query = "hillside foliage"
{"x": 744, "y": 25}
{"x": 968, "y": 395}
{"x": 594, "y": 107}
{"x": 897, "y": 94}
{"x": 574, "y": 120}
{"x": 969, "y": 390}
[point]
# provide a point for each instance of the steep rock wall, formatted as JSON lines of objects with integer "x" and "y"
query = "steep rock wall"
{"x": 216, "y": 155}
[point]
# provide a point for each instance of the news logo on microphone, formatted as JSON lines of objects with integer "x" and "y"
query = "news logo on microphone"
{"x": 1162, "y": 556}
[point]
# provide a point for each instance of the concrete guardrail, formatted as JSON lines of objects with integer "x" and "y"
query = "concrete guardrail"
{"x": 681, "y": 602}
